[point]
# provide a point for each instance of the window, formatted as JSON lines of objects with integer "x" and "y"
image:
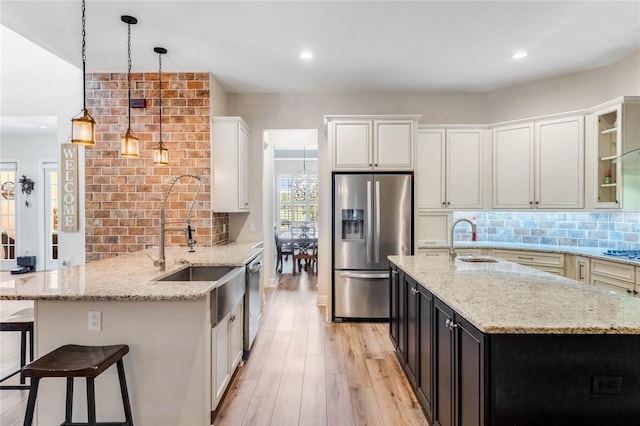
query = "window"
{"x": 8, "y": 209}
{"x": 295, "y": 208}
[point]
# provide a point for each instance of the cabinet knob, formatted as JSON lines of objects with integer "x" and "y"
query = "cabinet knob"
{"x": 444, "y": 204}
{"x": 537, "y": 202}
{"x": 530, "y": 203}
{"x": 629, "y": 291}
{"x": 448, "y": 203}
{"x": 375, "y": 165}
{"x": 450, "y": 324}
{"x": 233, "y": 317}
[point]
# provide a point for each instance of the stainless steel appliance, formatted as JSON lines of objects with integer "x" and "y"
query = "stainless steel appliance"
{"x": 372, "y": 219}
{"x": 624, "y": 254}
{"x": 252, "y": 303}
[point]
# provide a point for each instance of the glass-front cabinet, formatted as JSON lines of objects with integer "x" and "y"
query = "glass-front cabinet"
{"x": 617, "y": 139}
{"x": 608, "y": 149}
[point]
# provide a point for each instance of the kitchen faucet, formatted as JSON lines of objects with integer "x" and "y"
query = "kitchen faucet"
{"x": 188, "y": 230}
{"x": 452, "y": 251}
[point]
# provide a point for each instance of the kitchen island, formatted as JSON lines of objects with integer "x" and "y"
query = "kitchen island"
{"x": 492, "y": 343}
{"x": 167, "y": 325}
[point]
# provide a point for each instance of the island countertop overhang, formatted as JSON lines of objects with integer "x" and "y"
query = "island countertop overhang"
{"x": 130, "y": 277}
{"x": 508, "y": 298}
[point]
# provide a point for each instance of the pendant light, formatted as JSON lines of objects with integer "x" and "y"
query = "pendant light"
{"x": 304, "y": 183}
{"x": 83, "y": 127}
{"x": 129, "y": 143}
{"x": 160, "y": 153}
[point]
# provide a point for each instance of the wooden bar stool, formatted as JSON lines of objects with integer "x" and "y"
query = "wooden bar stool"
{"x": 78, "y": 361}
{"x": 21, "y": 321}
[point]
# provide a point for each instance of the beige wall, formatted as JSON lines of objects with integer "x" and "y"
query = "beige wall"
{"x": 567, "y": 93}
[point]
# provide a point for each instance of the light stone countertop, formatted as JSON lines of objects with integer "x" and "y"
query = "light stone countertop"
{"x": 127, "y": 277}
{"x": 504, "y": 298}
{"x": 548, "y": 248}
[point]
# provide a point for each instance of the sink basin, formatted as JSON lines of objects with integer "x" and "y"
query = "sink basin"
{"x": 199, "y": 273}
{"x": 478, "y": 259}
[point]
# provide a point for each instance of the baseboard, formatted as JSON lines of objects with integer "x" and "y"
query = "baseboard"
{"x": 322, "y": 300}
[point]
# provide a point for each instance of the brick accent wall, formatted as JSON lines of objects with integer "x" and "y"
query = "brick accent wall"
{"x": 124, "y": 196}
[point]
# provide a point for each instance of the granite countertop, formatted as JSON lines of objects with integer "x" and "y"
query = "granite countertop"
{"x": 127, "y": 277}
{"x": 582, "y": 251}
{"x": 505, "y": 298}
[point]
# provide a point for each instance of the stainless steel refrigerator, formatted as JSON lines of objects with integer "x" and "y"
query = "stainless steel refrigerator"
{"x": 372, "y": 219}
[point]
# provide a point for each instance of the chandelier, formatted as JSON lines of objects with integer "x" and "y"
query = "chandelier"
{"x": 304, "y": 183}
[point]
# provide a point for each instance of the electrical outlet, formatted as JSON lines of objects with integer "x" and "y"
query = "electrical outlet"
{"x": 95, "y": 321}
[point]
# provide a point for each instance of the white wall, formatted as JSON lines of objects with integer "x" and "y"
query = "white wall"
{"x": 21, "y": 148}
{"x": 41, "y": 84}
{"x": 566, "y": 93}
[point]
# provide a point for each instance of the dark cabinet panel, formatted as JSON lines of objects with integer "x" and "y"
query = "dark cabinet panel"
{"x": 424, "y": 380}
{"x": 412, "y": 330}
{"x": 393, "y": 308}
{"x": 444, "y": 365}
{"x": 402, "y": 317}
{"x": 470, "y": 374}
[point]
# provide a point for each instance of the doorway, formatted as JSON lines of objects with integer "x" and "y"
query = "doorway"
{"x": 287, "y": 152}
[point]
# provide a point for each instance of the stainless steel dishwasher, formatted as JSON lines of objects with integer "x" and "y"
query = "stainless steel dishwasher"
{"x": 252, "y": 303}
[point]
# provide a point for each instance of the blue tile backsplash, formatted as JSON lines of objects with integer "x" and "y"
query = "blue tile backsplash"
{"x": 614, "y": 230}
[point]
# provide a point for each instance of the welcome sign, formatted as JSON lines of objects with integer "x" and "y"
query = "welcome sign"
{"x": 69, "y": 184}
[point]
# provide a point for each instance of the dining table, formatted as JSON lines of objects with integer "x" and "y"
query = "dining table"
{"x": 295, "y": 240}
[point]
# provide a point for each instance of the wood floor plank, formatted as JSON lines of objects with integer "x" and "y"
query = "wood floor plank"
{"x": 287, "y": 407}
{"x": 404, "y": 391}
{"x": 313, "y": 404}
{"x": 365, "y": 407}
{"x": 239, "y": 395}
{"x": 392, "y": 408}
{"x": 340, "y": 411}
{"x": 333, "y": 350}
{"x": 355, "y": 356}
{"x": 259, "y": 411}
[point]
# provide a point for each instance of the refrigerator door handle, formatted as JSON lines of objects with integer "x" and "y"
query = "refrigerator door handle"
{"x": 377, "y": 233}
{"x": 384, "y": 275}
{"x": 369, "y": 222}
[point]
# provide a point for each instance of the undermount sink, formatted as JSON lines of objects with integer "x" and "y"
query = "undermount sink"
{"x": 478, "y": 259}
{"x": 199, "y": 273}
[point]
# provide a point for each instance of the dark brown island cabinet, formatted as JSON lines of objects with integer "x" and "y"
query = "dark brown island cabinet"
{"x": 464, "y": 377}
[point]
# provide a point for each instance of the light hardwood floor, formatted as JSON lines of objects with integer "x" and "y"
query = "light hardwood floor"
{"x": 305, "y": 371}
{"x": 302, "y": 370}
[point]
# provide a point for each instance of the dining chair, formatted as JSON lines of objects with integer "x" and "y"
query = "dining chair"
{"x": 283, "y": 250}
{"x": 308, "y": 253}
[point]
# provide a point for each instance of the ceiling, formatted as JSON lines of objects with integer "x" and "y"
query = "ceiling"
{"x": 358, "y": 46}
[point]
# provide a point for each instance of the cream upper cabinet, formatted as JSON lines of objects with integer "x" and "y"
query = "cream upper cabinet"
{"x": 229, "y": 164}
{"x": 449, "y": 168}
{"x": 371, "y": 142}
{"x": 513, "y": 171}
{"x": 560, "y": 163}
{"x": 539, "y": 164}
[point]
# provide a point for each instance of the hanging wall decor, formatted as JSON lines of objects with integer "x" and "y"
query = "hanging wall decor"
{"x": 27, "y": 186}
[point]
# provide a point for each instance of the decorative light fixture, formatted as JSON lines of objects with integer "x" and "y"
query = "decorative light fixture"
{"x": 304, "y": 183}
{"x": 83, "y": 127}
{"x": 129, "y": 143}
{"x": 160, "y": 153}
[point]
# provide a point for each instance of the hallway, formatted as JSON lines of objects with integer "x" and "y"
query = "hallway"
{"x": 305, "y": 371}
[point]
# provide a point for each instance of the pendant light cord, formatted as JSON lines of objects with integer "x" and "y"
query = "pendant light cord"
{"x": 129, "y": 70}
{"x": 160, "y": 78}
{"x": 84, "y": 59}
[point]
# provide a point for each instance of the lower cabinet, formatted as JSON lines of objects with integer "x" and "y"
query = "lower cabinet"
{"x": 226, "y": 351}
{"x": 459, "y": 369}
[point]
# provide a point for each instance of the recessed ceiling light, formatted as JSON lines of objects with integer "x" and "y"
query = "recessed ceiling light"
{"x": 306, "y": 55}
{"x": 519, "y": 55}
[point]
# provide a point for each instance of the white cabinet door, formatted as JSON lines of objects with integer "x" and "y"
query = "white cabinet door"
{"x": 393, "y": 145}
{"x": 243, "y": 167}
{"x": 560, "y": 163}
{"x": 513, "y": 172}
{"x": 429, "y": 175}
{"x": 236, "y": 329}
{"x": 464, "y": 169}
{"x": 220, "y": 374}
{"x": 229, "y": 164}
{"x": 352, "y": 144}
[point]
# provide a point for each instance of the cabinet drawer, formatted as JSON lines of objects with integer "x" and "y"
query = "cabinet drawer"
{"x": 612, "y": 284}
{"x": 618, "y": 271}
{"x": 553, "y": 260}
{"x": 433, "y": 252}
